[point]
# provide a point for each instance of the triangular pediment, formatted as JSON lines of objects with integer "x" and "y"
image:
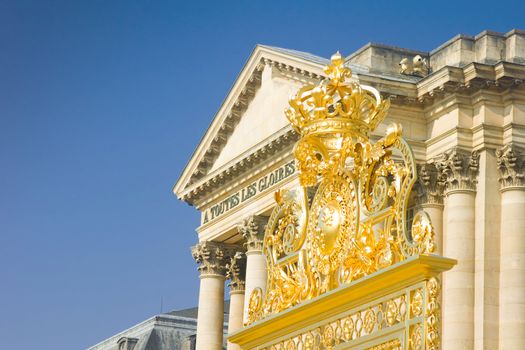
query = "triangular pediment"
{"x": 263, "y": 117}
{"x": 251, "y": 116}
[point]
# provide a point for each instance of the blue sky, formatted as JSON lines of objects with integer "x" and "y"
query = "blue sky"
{"x": 101, "y": 105}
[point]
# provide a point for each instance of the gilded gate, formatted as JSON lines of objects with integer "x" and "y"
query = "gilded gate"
{"x": 345, "y": 267}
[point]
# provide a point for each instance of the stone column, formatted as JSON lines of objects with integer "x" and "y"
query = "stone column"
{"x": 212, "y": 258}
{"x": 430, "y": 199}
{"x": 457, "y": 174}
{"x": 512, "y": 264}
{"x": 252, "y": 229}
{"x": 236, "y": 273}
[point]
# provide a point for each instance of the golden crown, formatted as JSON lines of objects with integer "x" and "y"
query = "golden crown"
{"x": 336, "y": 106}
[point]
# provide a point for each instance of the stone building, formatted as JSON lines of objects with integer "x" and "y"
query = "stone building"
{"x": 175, "y": 330}
{"x": 462, "y": 108}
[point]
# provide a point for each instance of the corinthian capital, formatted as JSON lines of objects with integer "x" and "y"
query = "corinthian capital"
{"x": 511, "y": 165}
{"x": 430, "y": 188}
{"x": 252, "y": 229}
{"x": 212, "y": 257}
{"x": 236, "y": 272}
{"x": 458, "y": 170}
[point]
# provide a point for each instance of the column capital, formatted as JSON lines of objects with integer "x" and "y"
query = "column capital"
{"x": 212, "y": 257}
{"x": 458, "y": 170}
{"x": 511, "y": 166}
{"x": 252, "y": 229}
{"x": 236, "y": 272}
{"x": 430, "y": 189}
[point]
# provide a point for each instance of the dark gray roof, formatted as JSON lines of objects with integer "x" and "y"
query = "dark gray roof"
{"x": 193, "y": 312}
{"x": 167, "y": 331}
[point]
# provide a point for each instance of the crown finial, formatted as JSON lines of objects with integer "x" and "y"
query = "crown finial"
{"x": 336, "y": 70}
{"x": 330, "y": 116}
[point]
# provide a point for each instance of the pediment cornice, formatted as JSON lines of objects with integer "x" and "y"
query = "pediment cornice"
{"x": 197, "y": 171}
{"x": 228, "y": 173}
{"x": 198, "y": 179}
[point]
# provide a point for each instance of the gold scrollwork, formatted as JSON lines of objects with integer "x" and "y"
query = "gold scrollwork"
{"x": 356, "y": 223}
{"x": 433, "y": 314}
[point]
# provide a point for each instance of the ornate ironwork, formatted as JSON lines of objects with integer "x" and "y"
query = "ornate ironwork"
{"x": 355, "y": 222}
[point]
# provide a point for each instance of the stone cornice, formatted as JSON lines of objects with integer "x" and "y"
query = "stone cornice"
{"x": 252, "y": 229}
{"x": 197, "y": 180}
{"x": 233, "y": 169}
{"x": 511, "y": 166}
{"x": 213, "y": 257}
{"x": 241, "y": 104}
{"x": 466, "y": 80}
{"x": 236, "y": 104}
{"x": 238, "y": 108}
{"x": 293, "y": 72}
{"x": 236, "y": 272}
{"x": 458, "y": 170}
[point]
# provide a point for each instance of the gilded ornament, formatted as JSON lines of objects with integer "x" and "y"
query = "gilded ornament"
{"x": 416, "y": 337}
{"x": 417, "y": 303}
{"x": 348, "y": 329}
{"x": 369, "y": 321}
{"x": 348, "y": 217}
{"x": 392, "y": 313}
{"x": 328, "y": 338}
{"x": 389, "y": 345}
{"x": 433, "y": 314}
{"x": 309, "y": 341}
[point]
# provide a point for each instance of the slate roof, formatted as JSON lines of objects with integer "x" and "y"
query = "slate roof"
{"x": 166, "y": 331}
{"x": 193, "y": 312}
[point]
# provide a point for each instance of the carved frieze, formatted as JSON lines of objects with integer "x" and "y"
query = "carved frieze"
{"x": 458, "y": 170}
{"x": 511, "y": 165}
{"x": 252, "y": 229}
{"x": 213, "y": 257}
{"x": 236, "y": 272}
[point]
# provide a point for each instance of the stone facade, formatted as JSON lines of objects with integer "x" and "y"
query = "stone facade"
{"x": 462, "y": 108}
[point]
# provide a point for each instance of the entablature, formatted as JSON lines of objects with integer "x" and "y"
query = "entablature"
{"x": 425, "y": 99}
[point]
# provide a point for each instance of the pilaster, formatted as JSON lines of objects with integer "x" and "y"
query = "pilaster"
{"x": 457, "y": 174}
{"x": 510, "y": 162}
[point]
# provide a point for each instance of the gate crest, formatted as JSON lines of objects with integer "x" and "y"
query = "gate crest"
{"x": 344, "y": 233}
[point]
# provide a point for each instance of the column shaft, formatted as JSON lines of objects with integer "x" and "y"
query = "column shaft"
{"x": 252, "y": 229}
{"x": 256, "y": 275}
{"x": 236, "y": 274}
{"x": 210, "y": 322}
{"x": 512, "y": 269}
{"x": 458, "y": 283}
{"x": 235, "y": 322}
